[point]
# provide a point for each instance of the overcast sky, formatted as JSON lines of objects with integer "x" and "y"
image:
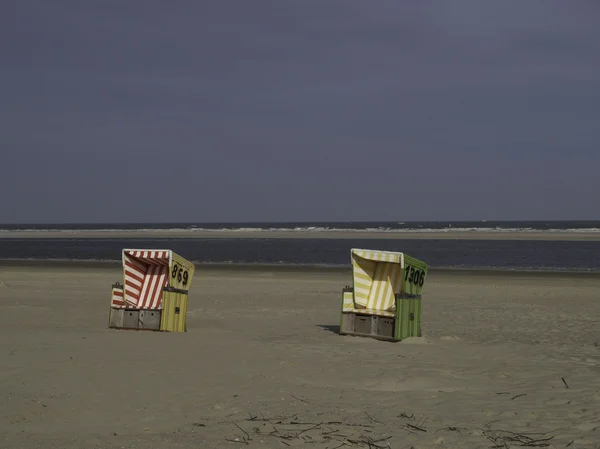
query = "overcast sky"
{"x": 136, "y": 111}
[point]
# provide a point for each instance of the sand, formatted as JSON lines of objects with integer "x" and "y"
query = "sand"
{"x": 406, "y": 235}
{"x": 262, "y": 362}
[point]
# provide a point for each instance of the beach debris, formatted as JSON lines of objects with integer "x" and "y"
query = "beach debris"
{"x": 565, "y": 382}
{"x": 413, "y": 427}
{"x": 367, "y": 432}
{"x": 290, "y": 431}
{"x": 518, "y": 396}
{"x": 301, "y": 400}
{"x": 506, "y": 438}
{"x": 237, "y": 440}
{"x": 406, "y": 416}
{"x": 372, "y": 419}
{"x": 452, "y": 429}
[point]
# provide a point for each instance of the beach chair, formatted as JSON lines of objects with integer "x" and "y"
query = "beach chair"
{"x": 384, "y": 301}
{"x": 154, "y": 292}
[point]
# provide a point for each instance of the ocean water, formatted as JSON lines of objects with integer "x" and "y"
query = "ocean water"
{"x": 505, "y": 254}
{"x": 382, "y": 226}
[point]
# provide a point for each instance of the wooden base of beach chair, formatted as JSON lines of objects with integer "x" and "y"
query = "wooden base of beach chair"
{"x": 124, "y": 318}
{"x": 403, "y": 323}
{"x": 362, "y": 325}
{"x": 172, "y": 317}
{"x": 150, "y": 320}
{"x": 135, "y": 319}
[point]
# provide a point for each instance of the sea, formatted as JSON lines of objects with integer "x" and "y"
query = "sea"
{"x": 518, "y": 254}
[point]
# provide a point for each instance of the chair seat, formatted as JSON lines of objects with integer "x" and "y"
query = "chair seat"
{"x": 375, "y": 312}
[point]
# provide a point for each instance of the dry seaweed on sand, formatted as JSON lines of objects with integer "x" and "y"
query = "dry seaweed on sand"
{"x": 506, "y": 438}
{"x": 292, "y": 431}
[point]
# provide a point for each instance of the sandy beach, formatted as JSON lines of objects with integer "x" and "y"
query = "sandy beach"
{"x": 205, "y": 234}
{"x": 504, "y": 360}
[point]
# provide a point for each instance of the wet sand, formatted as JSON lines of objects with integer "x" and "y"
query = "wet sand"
{"x": 466, "y": 235}
{"x": 262, "y": 362}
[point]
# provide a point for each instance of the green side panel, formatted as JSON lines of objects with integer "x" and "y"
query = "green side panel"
{"x": 414, "y": 276}
{"x": 408, "y": 317}
{"x": 408, "y": 302}
{"x": 418, "y": 308}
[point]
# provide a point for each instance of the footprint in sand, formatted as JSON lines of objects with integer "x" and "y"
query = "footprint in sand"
{"x": 416, "y": 341}
{"x": 587, "y": 427}
{"x": 558, "y": 401}
{"x": 450, "y": 338}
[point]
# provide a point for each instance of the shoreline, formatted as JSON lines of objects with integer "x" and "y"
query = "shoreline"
{"x": 295, "y": 268}
{"x": 391, "y": 235}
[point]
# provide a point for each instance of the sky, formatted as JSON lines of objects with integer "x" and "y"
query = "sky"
{"x": 312, "y": 110}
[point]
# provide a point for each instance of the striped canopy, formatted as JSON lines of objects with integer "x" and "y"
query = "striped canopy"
{"x": 146, "y": 272}
{"x": 377, "y": 277}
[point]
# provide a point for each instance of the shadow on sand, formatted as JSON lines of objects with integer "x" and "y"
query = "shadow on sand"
{"x": 335, "y": 328}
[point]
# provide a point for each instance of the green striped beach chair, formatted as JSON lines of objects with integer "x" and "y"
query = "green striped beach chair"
{"x": 384, "y": 301}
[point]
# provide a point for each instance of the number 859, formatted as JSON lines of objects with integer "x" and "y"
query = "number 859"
{"x": 180, "y": 274}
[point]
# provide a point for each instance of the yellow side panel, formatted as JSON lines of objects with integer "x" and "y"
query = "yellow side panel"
{"x": 181, "y": 272}
{"x": 173, "y": 318}
{"x": 348, "y": 303}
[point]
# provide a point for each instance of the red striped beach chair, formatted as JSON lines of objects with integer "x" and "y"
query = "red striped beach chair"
{"x": 150, "y": 279}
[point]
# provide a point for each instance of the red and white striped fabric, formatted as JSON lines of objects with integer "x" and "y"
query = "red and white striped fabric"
{"x": 117, "y": 298}
{"x": 146, "y": 273}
